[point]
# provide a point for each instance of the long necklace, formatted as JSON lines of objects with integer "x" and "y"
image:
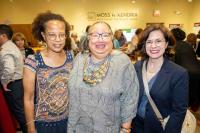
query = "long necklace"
{"x": 95, "y": 73}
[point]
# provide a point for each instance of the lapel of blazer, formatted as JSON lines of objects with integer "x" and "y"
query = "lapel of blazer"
{"x": 141, "y": 92}
{"x": 161, "y": 77}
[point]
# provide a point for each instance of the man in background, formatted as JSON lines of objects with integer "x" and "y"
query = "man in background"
{"x": 11, "y": 72}
{"x": 198, "y": 44}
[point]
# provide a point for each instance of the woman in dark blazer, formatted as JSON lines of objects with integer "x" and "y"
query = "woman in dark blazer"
{"x": 167, "y": 81}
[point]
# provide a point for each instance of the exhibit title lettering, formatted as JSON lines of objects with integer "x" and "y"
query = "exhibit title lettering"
{"x": 92, "y": 16}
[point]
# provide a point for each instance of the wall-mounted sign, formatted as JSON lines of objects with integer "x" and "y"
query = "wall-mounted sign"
{"x": 197, "y": 24}
{"x": 93, "y": 16}
{"x": 196, "y": 27}
{"x": 149, "y": 24}
{"x": 172, "y": 26}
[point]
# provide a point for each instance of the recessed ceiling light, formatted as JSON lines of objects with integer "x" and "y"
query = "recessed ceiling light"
{"x": 133, "y": 1}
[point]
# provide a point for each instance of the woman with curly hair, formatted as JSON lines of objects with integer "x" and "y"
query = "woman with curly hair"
{"x": 47, "y": 74}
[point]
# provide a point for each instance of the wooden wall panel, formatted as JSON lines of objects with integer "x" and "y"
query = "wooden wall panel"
{"x": 26, "y": 30}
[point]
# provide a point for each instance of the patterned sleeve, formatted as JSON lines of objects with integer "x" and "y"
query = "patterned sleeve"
{"x": 30, "y": 63}
{"x": 130, "y": 95}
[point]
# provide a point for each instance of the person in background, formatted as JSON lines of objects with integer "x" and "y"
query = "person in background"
{"x": 74, "y": 36}
{"x": 198, "y": 44}
{"x": 122, "y": 39}
{"x": 20, "y": 40}
{"x": 192, "y": 40}
{"x": 11, "y": 74}
{"x": 116, "y": 43}
{"x": 103, "y": 86}
{"x": 71, "y": 46}
{"x": 47, "y": 74}
{"x": 134, "y": 41}
{"x": 167, "y": 81}
{"x": 185, "y": 56}
{"x": 6, "y": 122}
{"x": 83, "y": 38}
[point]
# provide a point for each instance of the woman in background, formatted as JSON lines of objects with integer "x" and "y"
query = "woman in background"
{"x": 20, "y": 40}
{"x": 168, "y": 84}
{"x": 47, "y": 74}
{"x": 192, "y": 40}
{"x": 134, "y": 41}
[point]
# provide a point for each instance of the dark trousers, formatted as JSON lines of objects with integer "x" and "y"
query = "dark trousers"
{"x": 51, "y": 127}
{"x": 15, "y": 102}
{"x": 138, "y": 125}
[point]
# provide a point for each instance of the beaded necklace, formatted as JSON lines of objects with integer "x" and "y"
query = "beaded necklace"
{"x": 95, "y": 73}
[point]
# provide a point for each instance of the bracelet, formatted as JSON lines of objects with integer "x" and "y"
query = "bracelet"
{"x": 30, "y": 122}
{"x": 125, "y": 130}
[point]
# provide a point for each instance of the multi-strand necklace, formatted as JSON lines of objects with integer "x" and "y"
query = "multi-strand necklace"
{"x": 95, "y": 73}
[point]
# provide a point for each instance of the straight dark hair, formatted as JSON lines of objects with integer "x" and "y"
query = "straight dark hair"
{"x": 6, "y": 29}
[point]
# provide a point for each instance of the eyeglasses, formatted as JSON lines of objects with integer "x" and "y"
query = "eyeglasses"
{"x": 53, "y": 36}
{"x": 104, "y": 36}
{"x": 157, "y": 42}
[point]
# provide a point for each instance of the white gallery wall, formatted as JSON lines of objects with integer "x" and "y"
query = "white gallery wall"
{"x": 120, "y": 14}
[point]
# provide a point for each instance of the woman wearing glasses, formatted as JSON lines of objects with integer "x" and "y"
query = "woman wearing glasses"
{"x": 47, "y": 74}
{"x": 103, "y": 86}
{"x": 168, "y": 84}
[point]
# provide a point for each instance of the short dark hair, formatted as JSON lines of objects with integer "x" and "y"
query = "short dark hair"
{"x": 169, "y": 38}
{"x": 87, "y": 28}
{"x": 138, "y": 31}
{"x": 39, "y": 22}
{"x": 192, "y": 38}
{"x": 178, "y": 34}
{"x": 6, "y": 29}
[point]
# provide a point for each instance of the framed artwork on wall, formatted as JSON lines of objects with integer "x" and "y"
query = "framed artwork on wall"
{"x": 148, "y": 24}
{"x": 196, "y": 27}
{"x": 172, "y": 26}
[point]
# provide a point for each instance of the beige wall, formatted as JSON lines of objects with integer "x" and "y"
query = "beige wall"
{"x": 75, "y": 11}
{"x": 194, "y": 14}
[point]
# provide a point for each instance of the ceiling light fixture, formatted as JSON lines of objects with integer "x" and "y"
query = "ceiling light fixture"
{"x": 133, "y": 1}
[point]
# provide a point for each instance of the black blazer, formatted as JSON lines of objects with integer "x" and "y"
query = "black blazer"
{"x": 185, "y": 56}
{"x": 198, "y": 49}
{"x": 170, "y": 94}
{"x": 28, "y": 51}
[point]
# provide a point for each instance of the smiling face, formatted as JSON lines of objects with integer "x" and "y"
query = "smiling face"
{"x": 155, "y": 45}
{"x": 20, "y": 42}
{"x": 100, "y": 41}
{"x": 54, "y": 35}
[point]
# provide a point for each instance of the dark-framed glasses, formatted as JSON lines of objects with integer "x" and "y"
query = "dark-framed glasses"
{"x": 157, "y": 42}
{"x": 54, "y": 36}
{"x": 104, "y": 36}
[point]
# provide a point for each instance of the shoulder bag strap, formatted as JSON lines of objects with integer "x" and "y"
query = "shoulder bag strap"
{"x": 146, "y": 88}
